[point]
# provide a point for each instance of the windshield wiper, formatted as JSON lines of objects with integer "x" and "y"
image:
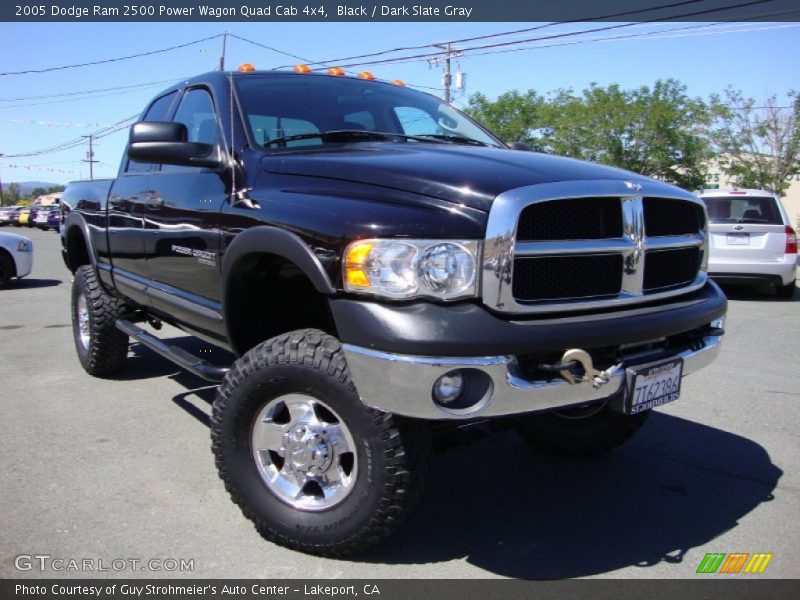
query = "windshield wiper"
{"x": 453, "y": 139}
{"x": 343, "y": 135}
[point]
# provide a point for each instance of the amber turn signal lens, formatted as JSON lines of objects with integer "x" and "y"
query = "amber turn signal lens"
{"x": 336, "y": 71}
{"x": 354, "y": 263}
{"x": 246, "y": 68}
{"x": 302, "y": 69}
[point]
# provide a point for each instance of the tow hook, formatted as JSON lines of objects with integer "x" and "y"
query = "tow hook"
{"x": 591, "y": 375}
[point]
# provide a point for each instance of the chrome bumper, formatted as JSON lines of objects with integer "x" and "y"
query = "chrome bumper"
{"x": 402, "y": 384}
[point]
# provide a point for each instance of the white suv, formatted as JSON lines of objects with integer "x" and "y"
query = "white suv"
{"x": 751, "y": 240}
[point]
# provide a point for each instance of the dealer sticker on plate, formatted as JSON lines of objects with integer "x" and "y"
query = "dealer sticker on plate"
{"x": 654, "y": 385}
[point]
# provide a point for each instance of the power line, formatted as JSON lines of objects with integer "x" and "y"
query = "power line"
{"x": 259, "y": 44}
{"x": 428, "y": 55}
{"x": 110, "y": 60}
{"x": 73, "y": 143}
{"x": 96, "y": 90}
{"x": 84, "y": 98}
{"x": 494, "y": 35}
{"x": 660, "y": 34}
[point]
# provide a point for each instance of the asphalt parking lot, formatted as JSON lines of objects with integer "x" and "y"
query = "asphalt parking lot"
{"x": 121, "y": 468}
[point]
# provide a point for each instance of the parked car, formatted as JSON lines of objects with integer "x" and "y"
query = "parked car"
{"x": 23, "y": 216}
{"x": 16, "y": 256}
{"x": 5, "y": 214}
{"x": 13, "y": 215}
{"x": 41, "y": 215}
{"x": 53, "y": 219}
{"x": 752, "y": 241}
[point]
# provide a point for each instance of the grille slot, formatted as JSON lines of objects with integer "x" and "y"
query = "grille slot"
{"x": 665, "y": 216}
{"x": 572, "y": 219}
{"x": 670, "y": 268}
{"x": 563, "y": 277}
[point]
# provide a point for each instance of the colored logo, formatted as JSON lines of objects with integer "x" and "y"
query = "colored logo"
{"x": 734, "y": 562}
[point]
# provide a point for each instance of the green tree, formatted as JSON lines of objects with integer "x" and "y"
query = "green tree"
{"x": 760, "y": 144}
{"x": 658, "y": 131}
{"x": 11, "y": 194}
{"x": 513, "y": 117}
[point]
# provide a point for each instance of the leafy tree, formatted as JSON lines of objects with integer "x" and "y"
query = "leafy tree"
{"x": 760, "y": 142}
{"x": 656, "y": 131}
{"x": 11, "y": 194}
{"x": 514, "y": 117}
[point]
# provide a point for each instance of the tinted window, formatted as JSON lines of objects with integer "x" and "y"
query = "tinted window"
{"x": 158, "y": 111}
{"x": 322, "y": 103}
{"x": 196, "y": 111}
{"x": 754, "y": 210}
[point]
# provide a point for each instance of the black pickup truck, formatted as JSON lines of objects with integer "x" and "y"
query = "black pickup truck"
{"x": 379, "y": 263}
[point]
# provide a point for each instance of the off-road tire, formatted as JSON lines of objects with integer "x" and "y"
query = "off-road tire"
{"x": 589, "y": 435}
{"x": 786, "y": 291}
{"x": 392, "y": 453}
{"x": 8, "y": 268}
{"x": 107, "y": 348}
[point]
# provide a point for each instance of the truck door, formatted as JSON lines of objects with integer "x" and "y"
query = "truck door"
{"x": 126, "y": 213}
{"x": 182, "y": 221}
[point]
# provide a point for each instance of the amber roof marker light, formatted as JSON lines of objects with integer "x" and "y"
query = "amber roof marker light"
{"x": 246, "y": 68}
{"x": 399, "y": 83}
{"x": 304, "y": 69}
{"x": 366, "y": 75}
{"x": 336, "y": 71}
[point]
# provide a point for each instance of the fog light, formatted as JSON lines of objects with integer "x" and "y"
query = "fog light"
{"x": 448, "y": 388}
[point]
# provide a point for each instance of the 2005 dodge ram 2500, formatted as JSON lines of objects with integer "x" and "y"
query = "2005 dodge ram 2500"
{"x": 379, "y": 262}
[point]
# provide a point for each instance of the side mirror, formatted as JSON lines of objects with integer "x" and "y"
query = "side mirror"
{"x": 165, "y": 142}
{"x": 519, "y": 146}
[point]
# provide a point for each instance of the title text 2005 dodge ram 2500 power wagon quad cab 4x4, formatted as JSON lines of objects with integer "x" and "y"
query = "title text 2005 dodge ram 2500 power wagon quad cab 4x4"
{"x": 378, "y": 262}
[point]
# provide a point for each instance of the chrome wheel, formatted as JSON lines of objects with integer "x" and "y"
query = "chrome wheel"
{"x": 84, "y": 330}
{"x": 304, "y": 452}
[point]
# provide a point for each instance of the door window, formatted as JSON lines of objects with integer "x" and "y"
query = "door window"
{"x": 196, "y": 111}
{"x": 158, "y": 111}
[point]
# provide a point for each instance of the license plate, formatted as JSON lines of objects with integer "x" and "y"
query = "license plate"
{"x": 653, "y": 385}
{"x": 738, "y": 239}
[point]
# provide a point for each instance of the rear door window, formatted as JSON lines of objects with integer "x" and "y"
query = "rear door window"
{"x": 158, "y": 111}
{"x": 753, "y": 210}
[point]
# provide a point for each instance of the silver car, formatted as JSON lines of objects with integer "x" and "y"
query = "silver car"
{"x": 751, "y": 240}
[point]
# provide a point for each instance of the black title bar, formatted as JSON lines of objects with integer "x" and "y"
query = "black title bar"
{"x": 397, "y": 10}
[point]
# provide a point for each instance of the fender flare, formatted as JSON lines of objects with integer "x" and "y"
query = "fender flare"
{"x": 75, "y": 219}
{"x": 266, "y": 239}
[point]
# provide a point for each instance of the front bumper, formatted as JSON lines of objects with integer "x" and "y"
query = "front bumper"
{"x": 402, "y": 384}
{"x": 396, "y": 353}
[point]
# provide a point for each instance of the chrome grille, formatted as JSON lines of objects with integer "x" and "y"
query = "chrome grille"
{"x": 592, "y": 244}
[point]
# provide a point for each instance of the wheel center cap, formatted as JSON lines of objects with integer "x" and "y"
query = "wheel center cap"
{"x": 308, "y": 451}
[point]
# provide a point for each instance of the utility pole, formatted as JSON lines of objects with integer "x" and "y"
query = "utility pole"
{"x": 90, "y": 156}
{"x": 222, "y": 56}
{"x": 1, "y": 188}
{"x": 447, "y": 80}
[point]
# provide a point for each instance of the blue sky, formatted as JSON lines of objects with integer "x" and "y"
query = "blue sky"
{"x": 760, "y": 62}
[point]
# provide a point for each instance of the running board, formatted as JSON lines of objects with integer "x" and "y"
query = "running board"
{"x": 179, "y": 356}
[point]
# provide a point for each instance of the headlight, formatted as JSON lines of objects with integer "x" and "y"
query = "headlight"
{"x": 24, "y": 246}
{"x": 443, "y": 269}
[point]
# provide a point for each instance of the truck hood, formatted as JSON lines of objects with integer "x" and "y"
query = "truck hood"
{"x": 466, "y": 175}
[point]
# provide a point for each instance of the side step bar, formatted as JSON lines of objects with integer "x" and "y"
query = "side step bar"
{"x": 179, "y": 356}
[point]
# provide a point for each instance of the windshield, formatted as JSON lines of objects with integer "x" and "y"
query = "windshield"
{"x": 743, "y": 209}
{"x": 283, "y": 106}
